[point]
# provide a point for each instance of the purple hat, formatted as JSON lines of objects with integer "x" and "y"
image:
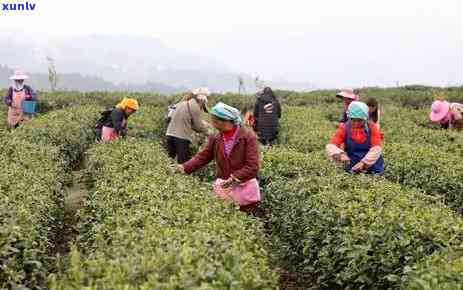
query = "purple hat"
{"x": 439, "y": 110}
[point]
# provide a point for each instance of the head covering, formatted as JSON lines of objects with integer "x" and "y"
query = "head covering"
{"x": 128, "y": 103}
{"x": 268, "y": 92}
{"x": 349, "y": 94}
{"x": 226, "y": 112}
{"x": 202, "y": 92}
{"x": 358, "y": 110}
{"x": 439, "y": 110}
{"x": 19, "y": 75}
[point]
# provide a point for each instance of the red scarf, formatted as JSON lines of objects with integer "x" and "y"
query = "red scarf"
{"x": 228, "y": 135}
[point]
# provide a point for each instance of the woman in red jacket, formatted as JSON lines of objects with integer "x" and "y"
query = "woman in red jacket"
{"x": 235, "y": 152}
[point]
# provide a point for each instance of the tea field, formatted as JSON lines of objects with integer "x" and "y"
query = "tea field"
{"x": 134, "y": 224}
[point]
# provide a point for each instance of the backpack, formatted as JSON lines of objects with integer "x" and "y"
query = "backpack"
{"x": 170, "y": 112}
{"x": 104, "y": 118}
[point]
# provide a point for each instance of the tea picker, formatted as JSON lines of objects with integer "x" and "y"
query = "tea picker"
{"x": 448, "y": 115}
{"x": 235, "y": 152}
{"x": 113, "y": 123}
{"x": 347, "y": 96}
{"x": 184, "y": 118}
{"x": 21, "y": 100}
{"x": 357, "y": 143}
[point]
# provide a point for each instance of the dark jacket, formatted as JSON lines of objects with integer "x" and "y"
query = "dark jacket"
{"x": 344, "y": 118}
{"x": 267, "y": 123}
{"x": 118, "y": 121}
{"x": 8, "y": 100}
{"x": 243, "y": 161}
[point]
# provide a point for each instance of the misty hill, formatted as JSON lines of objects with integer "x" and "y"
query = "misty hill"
{"x": 134, "y": 60}
{"x": 75, "y": 81}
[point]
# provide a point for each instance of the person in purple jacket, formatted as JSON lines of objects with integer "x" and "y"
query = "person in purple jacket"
{"x": 18, "y": 93}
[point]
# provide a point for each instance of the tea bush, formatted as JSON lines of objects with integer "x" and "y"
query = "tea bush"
{"x": 437, "y": 173}
{"x": 35, "y": 159}
{"x": 146, "y": 228}
{"x": 441, "y": 271}
{"x": 340, "y": 231}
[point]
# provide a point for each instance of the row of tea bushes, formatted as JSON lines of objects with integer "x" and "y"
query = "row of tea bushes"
{"x": 416, "y": 157}
{"x": 34, "y": 161}
{"x": 144, "y": 227}
{"x": 339, "y": 231}
{"x": 435, "y": 172}
{"x": 441, "y": 271}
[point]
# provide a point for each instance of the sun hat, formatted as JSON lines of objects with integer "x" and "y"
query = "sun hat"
{"x": 19, "y": 75}
{"x": 439, "y": 109}
{"x": 348, "y": 94}
{"x": 202, "y": 92}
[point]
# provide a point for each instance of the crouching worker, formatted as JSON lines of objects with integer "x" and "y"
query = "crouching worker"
{"x": 236, "y": 155}
{"x": 114, "y": 125}
{"x": 357, "y": 143}
{"x": 448, "y": 115}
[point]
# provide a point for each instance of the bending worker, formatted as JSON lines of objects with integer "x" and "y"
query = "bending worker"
{"x": 357, "y": 143}
{"x": 236, "y": 155}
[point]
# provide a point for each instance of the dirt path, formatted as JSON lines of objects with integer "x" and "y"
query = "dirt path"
{"x": 73, "y": 202}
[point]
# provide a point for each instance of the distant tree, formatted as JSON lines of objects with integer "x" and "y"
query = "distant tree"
{"x": 241, "y": 87}
{"x": 52, "y": 74}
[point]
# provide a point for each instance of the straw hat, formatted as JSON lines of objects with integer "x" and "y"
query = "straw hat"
{"x": 19, "y": 75}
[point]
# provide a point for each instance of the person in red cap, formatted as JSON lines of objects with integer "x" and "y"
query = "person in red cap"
{"x": 449, "y": 115}
{"x": 348, "y": 96}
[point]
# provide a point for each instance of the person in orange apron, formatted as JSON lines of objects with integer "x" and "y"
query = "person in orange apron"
{"x": 18, "y": 93}
{"x": 116, "y": 125}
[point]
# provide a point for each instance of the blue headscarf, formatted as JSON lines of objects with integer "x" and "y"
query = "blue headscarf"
{"x": 358, "y": 110}
{"x": 226, "y": 112}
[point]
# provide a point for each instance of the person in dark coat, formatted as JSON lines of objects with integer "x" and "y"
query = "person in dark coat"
{"x": 267, "y": 112}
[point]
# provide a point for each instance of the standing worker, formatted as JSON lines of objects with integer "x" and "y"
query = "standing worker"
{"x": 267, "y": 112}
{"x": 15, "y": 98}
{"x": 348, "y": 96}
{"x": 374, "y": 113}
{"x": 116, "y": 125}
{"x": 236, "y": 155}
{"x": 449, "y": 115}
{"x": 184, "y": 120}
{"x": 357, "y": 143}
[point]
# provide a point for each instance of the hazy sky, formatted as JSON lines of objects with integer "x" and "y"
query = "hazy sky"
{"x": 325, "y": 42}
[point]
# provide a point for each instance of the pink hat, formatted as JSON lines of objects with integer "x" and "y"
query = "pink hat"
{"x": 349, "y": 94}
{"x": 439, "y": 110}
{"x": 19, "y": 75}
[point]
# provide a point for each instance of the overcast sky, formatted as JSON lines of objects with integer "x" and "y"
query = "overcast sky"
{"x": 325, "y": 42}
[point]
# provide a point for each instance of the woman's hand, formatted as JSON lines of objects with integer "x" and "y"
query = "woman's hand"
{"x": 342, "y": 158}
{"x": 359, "y": 167}
{"x": 180, "y": 169}
{"x": 229, "y": 182}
